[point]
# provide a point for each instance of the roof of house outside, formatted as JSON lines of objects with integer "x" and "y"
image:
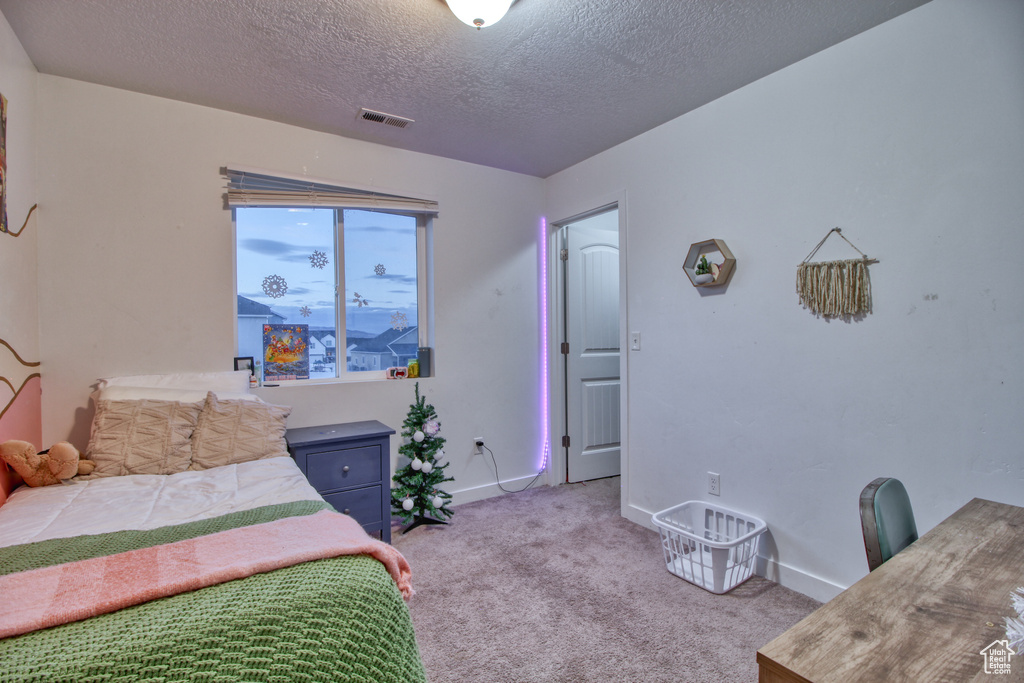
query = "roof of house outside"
{"x": 321, "y": 333}
{"x": 255, "y": 308}
{"x": 409, "y": 350}
{"x": 384, "y": 341}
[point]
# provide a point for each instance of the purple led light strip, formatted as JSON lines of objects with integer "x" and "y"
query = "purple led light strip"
{"x": 544, "y": 407}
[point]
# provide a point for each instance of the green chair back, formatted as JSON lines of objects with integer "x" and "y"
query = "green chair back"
{"x": 886, "y": 519}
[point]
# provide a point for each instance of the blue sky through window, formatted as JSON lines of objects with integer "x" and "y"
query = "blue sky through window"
{"x": 380, "y": 266}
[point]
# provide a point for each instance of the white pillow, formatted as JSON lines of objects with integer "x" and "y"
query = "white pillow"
{"x": 118, "y": 392}
{"x": 227, "y": 381}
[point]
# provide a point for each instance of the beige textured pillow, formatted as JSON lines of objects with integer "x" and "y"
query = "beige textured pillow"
{"x": 232, "y": 431}
{"x": 144, "y": 436}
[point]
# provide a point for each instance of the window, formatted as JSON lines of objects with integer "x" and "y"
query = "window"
{"x": 329, "y": 291}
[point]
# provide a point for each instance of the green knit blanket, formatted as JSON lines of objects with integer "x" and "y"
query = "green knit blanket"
{"x": 331, "y": 620}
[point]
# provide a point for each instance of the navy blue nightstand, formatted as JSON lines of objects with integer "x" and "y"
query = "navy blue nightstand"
{"x": 350, "y": 466}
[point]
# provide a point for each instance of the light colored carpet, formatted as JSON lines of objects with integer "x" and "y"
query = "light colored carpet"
{"x": 552, "y": 584}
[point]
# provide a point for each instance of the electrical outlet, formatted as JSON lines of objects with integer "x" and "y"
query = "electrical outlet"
{"x": 714, "y": 483}
{"x": 478, "y": 445}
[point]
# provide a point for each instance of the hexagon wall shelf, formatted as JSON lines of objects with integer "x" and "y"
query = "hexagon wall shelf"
{"x": 714, "y": 249}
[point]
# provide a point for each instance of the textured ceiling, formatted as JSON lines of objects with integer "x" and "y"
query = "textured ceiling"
{"x": 555, "y": 82}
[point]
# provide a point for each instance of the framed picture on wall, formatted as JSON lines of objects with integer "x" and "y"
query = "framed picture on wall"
{"x": 245, "y": 363}
{"x": 3, "y": 164}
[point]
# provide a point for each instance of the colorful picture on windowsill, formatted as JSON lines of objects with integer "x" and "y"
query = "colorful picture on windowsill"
{"x": 285, "y": 352}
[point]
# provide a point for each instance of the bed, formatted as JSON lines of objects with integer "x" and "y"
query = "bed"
{"x": 193, "y": 552}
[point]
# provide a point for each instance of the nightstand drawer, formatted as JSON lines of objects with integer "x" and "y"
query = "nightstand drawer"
{"x": 349, "y": 464}
{"x": 342, "y": 468}
{"x": 363, "y": 504}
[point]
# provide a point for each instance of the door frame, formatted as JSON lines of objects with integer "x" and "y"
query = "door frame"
{"x": 557, "y": 466}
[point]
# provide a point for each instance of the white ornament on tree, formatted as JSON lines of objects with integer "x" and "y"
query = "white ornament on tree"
{"x": 418, "y": 436}
{"x": 427, "y": 466}
{"x": 437, "y": 501}
{"x": 416, "y": 464}
{"x": 407, "y": 504}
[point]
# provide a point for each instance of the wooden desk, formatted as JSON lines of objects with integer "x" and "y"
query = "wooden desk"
{"x": 925, "y": 615}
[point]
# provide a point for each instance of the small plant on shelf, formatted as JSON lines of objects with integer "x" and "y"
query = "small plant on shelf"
{"x": 703, "y": 273}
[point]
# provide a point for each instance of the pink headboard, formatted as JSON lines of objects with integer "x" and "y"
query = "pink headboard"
{"x": 20, "y": 409}
{"x": 8, "y": 480}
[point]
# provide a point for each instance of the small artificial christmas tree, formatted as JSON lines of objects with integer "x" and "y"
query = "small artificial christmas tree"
{"x": 415, "y": 494}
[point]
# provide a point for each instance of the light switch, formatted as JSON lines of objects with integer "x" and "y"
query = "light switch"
{"x": 634, "y": 341}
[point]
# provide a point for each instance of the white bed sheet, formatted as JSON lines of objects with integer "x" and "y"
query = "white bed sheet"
{"x": 148, "y": 501}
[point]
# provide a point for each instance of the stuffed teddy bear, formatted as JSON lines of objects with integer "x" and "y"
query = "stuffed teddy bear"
{"x": 60, "y": 461}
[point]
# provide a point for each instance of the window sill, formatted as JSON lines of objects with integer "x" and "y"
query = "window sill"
{"x": 362, "y": 378}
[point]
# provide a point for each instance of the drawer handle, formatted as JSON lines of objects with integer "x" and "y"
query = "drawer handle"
{"x": 345, "y": 468}
{"x": 347, "y": 511}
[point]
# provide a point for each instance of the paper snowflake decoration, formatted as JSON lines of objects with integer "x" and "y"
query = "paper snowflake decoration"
{"x": 359, "y": 301}
{"x": 305, "y": 311}
{"x": 274, "y": 286}
{"x": 399, "y": 321}
{"x": 318, "y": 259}
{"x": 380, "y": 269}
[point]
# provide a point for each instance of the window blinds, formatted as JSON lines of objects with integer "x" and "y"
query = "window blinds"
{"x": 258, "y": 188}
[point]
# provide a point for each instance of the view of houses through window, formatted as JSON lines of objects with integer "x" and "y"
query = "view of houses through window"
{"x": 325, "y": 292}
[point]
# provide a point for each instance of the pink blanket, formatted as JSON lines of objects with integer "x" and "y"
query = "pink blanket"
{"x": 40, "y": 598}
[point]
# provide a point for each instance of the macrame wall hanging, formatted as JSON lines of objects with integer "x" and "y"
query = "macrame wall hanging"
{"x": 834, "y": 289}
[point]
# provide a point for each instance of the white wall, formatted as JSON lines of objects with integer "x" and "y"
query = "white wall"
{"x": 17, "y": 254}
{"x": 137, "y": 253}
{"x": 911, "y": 138}
{"x": 18, "y": 85}
{"x": 19, "y": 322}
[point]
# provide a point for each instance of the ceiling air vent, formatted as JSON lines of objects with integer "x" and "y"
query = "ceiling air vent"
{"x": 381, "y": 117}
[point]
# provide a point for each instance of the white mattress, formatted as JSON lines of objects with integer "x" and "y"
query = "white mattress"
{"x": 148, "y": 501}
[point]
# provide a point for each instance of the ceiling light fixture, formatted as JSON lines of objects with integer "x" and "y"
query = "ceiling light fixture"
{"x": 479, "y": 13}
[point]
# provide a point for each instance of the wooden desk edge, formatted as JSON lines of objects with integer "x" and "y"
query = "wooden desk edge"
{"x": 770, "y": 672}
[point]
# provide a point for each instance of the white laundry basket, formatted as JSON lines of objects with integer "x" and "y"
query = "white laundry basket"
{"x": 708, "y": 545}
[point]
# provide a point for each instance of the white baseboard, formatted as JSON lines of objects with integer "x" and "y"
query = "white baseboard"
{"x": 773, "y": 570}
{"x": 491, "y": 490}
{"x": 802, "y": 582}
{"x": 639, "y": 516}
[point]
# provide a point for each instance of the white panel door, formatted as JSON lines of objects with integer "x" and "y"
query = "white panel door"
{"x": 592, "y": 363}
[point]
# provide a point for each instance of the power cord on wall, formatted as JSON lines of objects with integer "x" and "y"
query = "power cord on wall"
{"x": 497, "y": 478}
